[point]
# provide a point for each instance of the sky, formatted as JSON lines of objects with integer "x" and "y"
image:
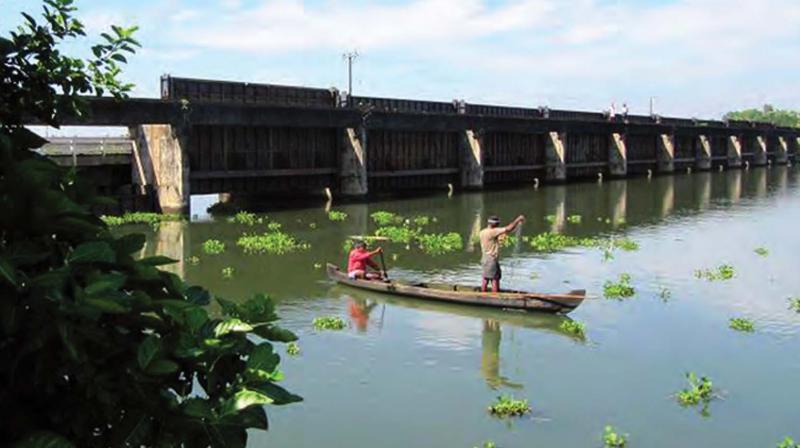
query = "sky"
{"x": 698, "y": 58}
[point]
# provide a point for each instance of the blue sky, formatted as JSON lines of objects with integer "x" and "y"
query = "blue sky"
{"x": 697, "y": 57}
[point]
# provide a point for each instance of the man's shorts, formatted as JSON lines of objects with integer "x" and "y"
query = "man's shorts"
{"x": 491, "y": 268}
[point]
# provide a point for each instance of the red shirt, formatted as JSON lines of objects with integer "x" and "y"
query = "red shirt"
{"x": 359, "y": 260}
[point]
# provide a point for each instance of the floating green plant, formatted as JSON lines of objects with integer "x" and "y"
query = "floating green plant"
{"x": 574, "y": 219}
{"x": 397, "y": 234}
{"x": 421, "y": 221}
{"x": 292, "y": 349}
{"x": 574, "y": 328}
{"x": 625, "y": 244}
{"x": 619, "y": 289}
{"x": 227, "y": 273}
{"x": 700, "y": 390}
{"x": 722, "y": 272}
{"x": 213, "y": 247}
{"x": 507, "y": 241}
{"x": 611, "y": 439}
{"x": 487, "y": 444}
{"x": 329, "y": 323}
{"x": 742, "y": 324}
{"x": 788, "y": 442}
{"x": 665, "y": 294}
{"x": 194, "y": 260}
{"x": 440, "y": 243}
{"x": 275, "y": 242}
{"x": 762, "y": 251}
{"x": 508, "y": 406}
{"x": 246, "y": 218}
{"x": 317, "y": 265}
{"x": 550, "y": 218}
{"x": 274, "y": 226}
{"x": 794, "y": 304}
{"x": 553, "y": 242}
{"x": 312, "y": 225}
{"x": 152, "y": 219}
{"x": 384, "y": 218}
{"x": 335, "y": 215}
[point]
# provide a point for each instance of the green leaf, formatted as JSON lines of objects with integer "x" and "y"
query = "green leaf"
{"x": 162, "y": 367}
{"x": 264, "y": 358}
{"x": 104, "y": 283}
{"x": 273, "y": 333}
{"x": 119, "y": 58}
{"x": 107, "y": 305}
{"x": 148, "y": 350}
{"x": 242, "y": 400}
{"x": 158, "y": 260}
{"x": 252, "y": 417}
{"x": 7, "y": 272}
{"x": 130, "y": 243}
{"x": 44, "y": 439}
{"x": 91, "y": 252}
{"x": 259, "y": 309}
{"x": 278, "y": 395}
{"x": 197, "y": 408}
{"x": 198, "y": 295}
{"x": 231, "y": 325}
{"x": 195, "y": 318}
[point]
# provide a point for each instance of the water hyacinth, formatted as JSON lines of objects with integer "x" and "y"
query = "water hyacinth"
{"x": 620, "y": 289}
{"x": 553, "y": 242}
{"x": 742, "y": 324}
{"x": 397, "y": 234}
{"x": 421, "y": 221}
{"x": 275, "y": 242}
{"x": 574, "y": 219}
{"x": 213, "y": 247}
{"x": 292, "y": 349}
{"x": 329, "y": 323}
{"x": 227, "y": 273}
{"x": 761, "y": 251}
{"x": 246, "y": 218}
{"x": 383, "y": 218}
{"x": 794, "y": 304}
{"x": 723, "y": 272}
{"x": 788, "y": 442}
{"x": 700, "y": 390}
{"x": 574, "y": 328}
{"x": 508, "y": 406}
{"x": 611, "y": 439}
{"x": 152, "y": 219}
{"x": 440, "y": 243}
{"x": 335, "y": 215}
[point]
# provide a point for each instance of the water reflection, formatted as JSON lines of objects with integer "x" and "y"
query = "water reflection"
{"x": 491, "y": 337}
{"x": 359, "y": 310}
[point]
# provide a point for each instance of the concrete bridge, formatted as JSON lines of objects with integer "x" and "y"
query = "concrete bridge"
{"x": 256, "y": 139}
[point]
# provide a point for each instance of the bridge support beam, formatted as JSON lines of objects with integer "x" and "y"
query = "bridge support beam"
{"x": 666, "y": 153}
{"x": 471, "y": 160}
{"x": 782, "y": 157}
{"x": 555, "y": 150}
{"x": 161, "y": 161}
{"x": 353, "y": 171}
{"x": 703, "y": 160}
{"x": 734, "y": 151}
{"x": 760, "y": 151}
{"x": 617, "y": 155}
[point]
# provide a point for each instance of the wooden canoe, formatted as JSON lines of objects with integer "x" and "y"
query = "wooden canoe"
{"x": 467, "y": 295}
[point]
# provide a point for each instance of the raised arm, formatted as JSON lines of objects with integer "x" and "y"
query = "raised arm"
{"x": 513, "y": 224}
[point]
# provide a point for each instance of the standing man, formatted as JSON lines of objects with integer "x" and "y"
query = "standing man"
{"x": 490, "y": 247}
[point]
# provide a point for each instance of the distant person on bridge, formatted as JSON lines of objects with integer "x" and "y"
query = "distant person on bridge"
{"x": 490, "y": 247}
{"x": 360, "y": 260}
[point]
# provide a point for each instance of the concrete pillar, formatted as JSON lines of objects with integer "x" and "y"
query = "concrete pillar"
{"x": 783, "y": 151}
{"x": 703, "y": 160}
{"x": 734, "y": 151}
{"x": 617, "y": 156}
{"x": 554, "y": 155}
{"x": 760, "y": 151}
{"x": 353, "y": 167}
{"x": 471, "y": 161}
{"x": 666, "y": 153}
{"x": 162, "y": 162}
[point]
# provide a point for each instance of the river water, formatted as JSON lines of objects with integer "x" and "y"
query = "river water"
{"x": 407, "y": 373}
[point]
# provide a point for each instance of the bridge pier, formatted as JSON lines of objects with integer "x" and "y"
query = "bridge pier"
{"x": 703, "y": 161}
{"x": 161, "y": 160}
{"x": 760, "y": 152}
{"x": 617, "y": 156}
{"x": 782, "y": 157}
{"x": 554, "y": 156}
{"x": 353, "y": 167}
{"x": 734, "y": 151}
{"x": 471, "y": 160}
{"x": 666, "y": 153}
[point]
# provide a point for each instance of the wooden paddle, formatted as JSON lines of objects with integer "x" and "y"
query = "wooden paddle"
{"x": 383, "y": 266}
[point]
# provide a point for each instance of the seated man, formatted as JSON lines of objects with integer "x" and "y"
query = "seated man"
{"x": 359, "y": 260}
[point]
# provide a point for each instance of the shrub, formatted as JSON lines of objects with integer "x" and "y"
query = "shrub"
{"x": 508, "y": 406}
{"x": 100, "y": 349}
{"x": 213, "y": 247}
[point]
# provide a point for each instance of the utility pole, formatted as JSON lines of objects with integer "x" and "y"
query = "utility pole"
{"x": 350, "y": 57}
{"x": 652, "y": 105}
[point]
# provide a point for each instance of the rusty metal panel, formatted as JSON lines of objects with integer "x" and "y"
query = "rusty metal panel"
{"x": 509, "y": 149}
{"x": 403, "y": 105}
{"x": 240, "y": 92}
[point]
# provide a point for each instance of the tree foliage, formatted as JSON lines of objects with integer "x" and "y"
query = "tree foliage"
{"x": 767, "y": 114}
{"x": 98, "y": 348}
